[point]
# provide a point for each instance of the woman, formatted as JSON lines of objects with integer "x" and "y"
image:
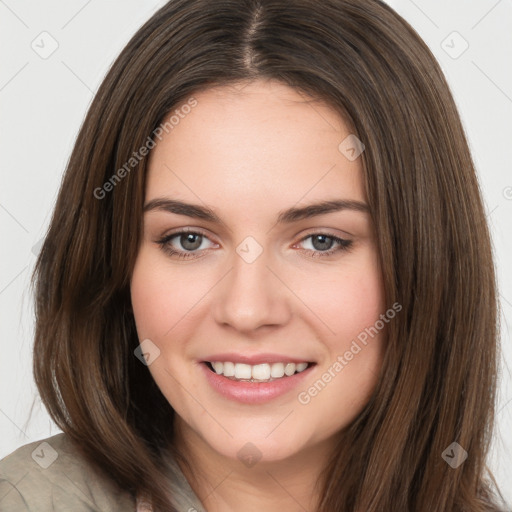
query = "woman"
{"x": 263, "y": 281}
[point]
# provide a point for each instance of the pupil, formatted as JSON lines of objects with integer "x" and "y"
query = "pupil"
{"x": 188, "y": 239}
{"x": 322, "y": 243}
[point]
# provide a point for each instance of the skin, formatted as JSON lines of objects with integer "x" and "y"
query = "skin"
{"x": 248, "y": 152}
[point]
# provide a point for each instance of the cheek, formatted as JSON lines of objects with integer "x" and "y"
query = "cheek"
{"x": 160, "y": 297}
{"x": 345, "y": 300}
{"x": 149, "y": 300}
{"x": 350, "y": 303}
{"x": 360, "y": 304}
{"x": 360, "y": 334}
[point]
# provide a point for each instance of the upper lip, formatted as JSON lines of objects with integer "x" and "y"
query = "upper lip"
{"x": 253, "y": 359}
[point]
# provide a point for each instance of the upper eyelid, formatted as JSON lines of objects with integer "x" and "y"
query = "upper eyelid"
{"x": 194, "y": 231}
{"x": 200, "y": 232}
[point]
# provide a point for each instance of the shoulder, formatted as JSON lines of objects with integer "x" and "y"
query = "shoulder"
{"x": 51, "y": 475}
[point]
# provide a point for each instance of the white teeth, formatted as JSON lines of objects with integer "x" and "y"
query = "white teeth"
{"x": 289, "y": 369}
{"x": 242, "y": 371}
{"x": 300, "y": 367}
{"x": 229, "y": 369}
{"x": 277, "y": 370}
{"x": 259, "y": 372}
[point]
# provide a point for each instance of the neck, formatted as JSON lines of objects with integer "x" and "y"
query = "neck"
{"x": 225, "y": 484}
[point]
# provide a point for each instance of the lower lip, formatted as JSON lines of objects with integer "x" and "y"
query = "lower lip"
{"x": 253, "y": 392}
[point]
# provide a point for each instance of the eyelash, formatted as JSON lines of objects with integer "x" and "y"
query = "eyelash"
{"x": 343, "y": 245}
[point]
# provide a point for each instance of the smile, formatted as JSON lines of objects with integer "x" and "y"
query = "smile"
{"x": 266, "y": 372}
{"x": 257, "y": 383}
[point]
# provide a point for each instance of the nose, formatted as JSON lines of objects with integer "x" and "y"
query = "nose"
{"x": 252, "y": 295}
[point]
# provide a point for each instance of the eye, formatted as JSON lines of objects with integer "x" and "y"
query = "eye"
{"x": 189, "y": 240}
{"x": 323, "y": 244}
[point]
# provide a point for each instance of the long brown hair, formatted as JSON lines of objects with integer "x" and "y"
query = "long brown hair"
{"x": 438, "y": 380}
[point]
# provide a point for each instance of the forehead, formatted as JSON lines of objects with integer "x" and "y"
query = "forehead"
{"x": 255, "y": 144}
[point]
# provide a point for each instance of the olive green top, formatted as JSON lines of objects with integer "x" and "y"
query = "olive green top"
{"x": 50, "y": 475}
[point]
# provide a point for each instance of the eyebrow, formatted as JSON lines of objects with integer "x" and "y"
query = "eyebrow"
{"x": 288, "y": 216}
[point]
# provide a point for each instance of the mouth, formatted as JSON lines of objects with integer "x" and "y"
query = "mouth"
{"x": 258, "y": 373}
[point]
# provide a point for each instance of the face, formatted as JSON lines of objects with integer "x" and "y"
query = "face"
{"x": 250, "y": 282}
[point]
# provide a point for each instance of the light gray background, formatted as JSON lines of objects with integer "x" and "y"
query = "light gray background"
{"x": 44, "y": 99}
